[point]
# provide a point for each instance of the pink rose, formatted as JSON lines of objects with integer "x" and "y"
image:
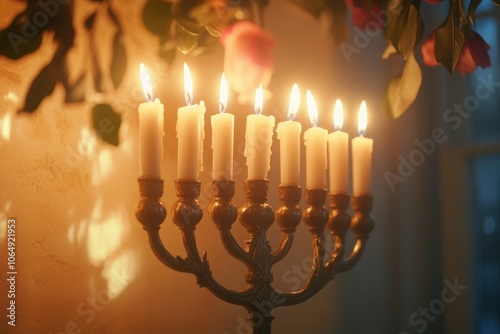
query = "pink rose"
{"x": 433, "y": 2}
{"x": 364, "y": 16}
{"x": 427, "y": 50}
{"x": 474, "y": 52}
{"x": 248, "y": 60}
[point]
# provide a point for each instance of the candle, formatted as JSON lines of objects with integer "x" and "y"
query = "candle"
{"x": 362, "y": 149}
{"x": 222, "y": 138}
{"x": 289, "y": 136}
{"x": 315, "y": 141}
{"x": 150, "y": 130}
{"x": 259, "y": 137}
{"x": 190, "y": 133}
{"x": 338, "y": 154}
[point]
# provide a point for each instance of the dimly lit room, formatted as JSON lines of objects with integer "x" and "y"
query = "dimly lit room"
{"x": 250, "y": 166}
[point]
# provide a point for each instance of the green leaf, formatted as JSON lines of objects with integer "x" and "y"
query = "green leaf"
{"x": 203, "y": 14}
{"x": 186, "y": 41}
{"x": 106, "y": 123}
{"x": 157, "y": 16}
{"x": 212, "y": 31}
{"x": 41, "y": 87}
{"x": 412, "y": 33}
{"x": 390, "y": 50}
{"x": 449, "y": 42}
{"x": 471, "y": 13}
{"x": 183, "y": 15}
{"x": 403, "y": 90}
{"x": 119, "y": 60}
{"x": 399, "y": 10}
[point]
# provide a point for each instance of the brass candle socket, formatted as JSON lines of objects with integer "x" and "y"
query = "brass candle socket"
{"x": 259, "y": 298}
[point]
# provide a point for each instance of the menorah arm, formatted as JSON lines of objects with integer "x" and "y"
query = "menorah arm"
{"x": 162, "y": 253}
{"x": 338, "y": 251}
{"x": 352, "y": 259}
{"x": 234, "y": 249}
{"x": 224, "y": 213}
{"x": 314, "y": 284}
{"x": 288, "y": 217}
{"x": 284, "y": 247}
{"x": 315, "y": 216}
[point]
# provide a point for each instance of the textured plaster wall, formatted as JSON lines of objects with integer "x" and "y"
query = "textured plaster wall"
{"x": 84, "y": 265}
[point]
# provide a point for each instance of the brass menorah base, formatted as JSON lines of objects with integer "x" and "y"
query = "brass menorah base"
{"x": 259, "y": 298}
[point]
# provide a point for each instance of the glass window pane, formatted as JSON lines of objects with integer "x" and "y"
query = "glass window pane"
{"x": 486, "y": 191}
{"x": 483, "y": 99}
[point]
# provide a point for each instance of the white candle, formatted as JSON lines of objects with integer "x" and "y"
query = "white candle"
{"x": 289, "y": 136}
{"x": 362, "y": 149}
{"x": 338, "y": 153}
{"x": 315, "y": 141}
{"x": 259, "y": 137}
{"x": 222, "y": 138}
{"x": 150, "y": 130}
{"x": 190, "y": 133}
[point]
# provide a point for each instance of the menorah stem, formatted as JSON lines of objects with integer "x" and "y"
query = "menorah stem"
{"x": 261, "y": 324}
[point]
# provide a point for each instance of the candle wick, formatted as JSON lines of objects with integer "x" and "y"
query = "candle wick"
{"x": 222, "y": 108}
{"x": 189, "y": 99}
{"x": 150, "y": 97}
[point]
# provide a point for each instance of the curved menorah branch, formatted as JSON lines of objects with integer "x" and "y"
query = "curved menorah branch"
{"x": 361, "y": 225}
{"x": 151, "y": 213}
{"x": 223, "y": 213}
{"x": 259, "y": 298}
{"x": 288, "y": 217}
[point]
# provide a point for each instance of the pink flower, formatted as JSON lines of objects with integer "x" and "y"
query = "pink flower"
{"x": 248, "y": 60}
{"x": 427, "y": 50}
{"x": 366, "y": 17}
{"x": 474, "y": 52}
{"x": 433, "y": 2}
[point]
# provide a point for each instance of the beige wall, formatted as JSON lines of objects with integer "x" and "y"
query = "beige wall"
{"x": 73, "y": 197}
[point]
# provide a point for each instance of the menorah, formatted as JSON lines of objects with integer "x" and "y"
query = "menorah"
{"x": 259, "y": 298}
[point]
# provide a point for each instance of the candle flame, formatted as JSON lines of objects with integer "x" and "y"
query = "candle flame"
{"x": 223, "y": 97}
{"x": 259, "y": 100}
{"x": 293, "y": 107}
{"x": 146, "y": 83}
{"x": 312, "y": 109}
{"x": 188, "y": 86}
{"x": 338, "y": 116}
{"x": 362, "y": 119}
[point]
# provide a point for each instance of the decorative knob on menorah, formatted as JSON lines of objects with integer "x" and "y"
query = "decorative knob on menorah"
{"x": 259, "y": 298}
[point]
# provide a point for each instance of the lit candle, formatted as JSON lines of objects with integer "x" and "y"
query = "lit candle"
{"x": 289, "y": 136}
{"x": 338, "y": 154}
{"x": 315, "y": 141}
{"x": 362, "y": 149}
{"x": 190, "y": 133}
{"x": 259, "y": 137}
{"x": 223, "y": 138}
{"x": 150, "y": 130}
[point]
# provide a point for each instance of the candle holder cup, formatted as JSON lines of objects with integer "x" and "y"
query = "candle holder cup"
{"x": 259, "y": 298}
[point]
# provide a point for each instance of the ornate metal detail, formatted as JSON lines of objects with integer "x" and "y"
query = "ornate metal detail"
{"x": 259, "y": 298}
